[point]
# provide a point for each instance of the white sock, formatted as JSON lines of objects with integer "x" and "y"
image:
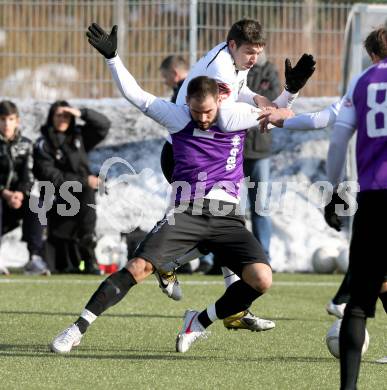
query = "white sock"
{"x": 211, "y": 312}
{"x": 229, "y": 277}
{"x": 88, "y": 316}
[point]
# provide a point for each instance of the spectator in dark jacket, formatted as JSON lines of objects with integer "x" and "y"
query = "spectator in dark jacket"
{"x": 174, "y": 70}
{"x": 61, "y": 155}
{"x": 262, "y": 79}
{"x": 16, "y": 181}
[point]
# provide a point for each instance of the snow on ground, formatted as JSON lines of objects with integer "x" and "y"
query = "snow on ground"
{"x": 137, "y": 191}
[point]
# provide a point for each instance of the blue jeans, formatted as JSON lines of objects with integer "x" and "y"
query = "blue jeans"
{"x": 259, "y": 171}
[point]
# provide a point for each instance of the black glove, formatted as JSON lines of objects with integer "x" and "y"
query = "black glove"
{"x": 296, "y": 78}
{"x": 331, "y": 218}
{"x": 106, "y": 44}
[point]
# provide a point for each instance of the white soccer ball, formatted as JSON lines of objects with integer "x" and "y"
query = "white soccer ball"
{"x": 332, "y": 340}
{"x": 324, "y": 260}
{"x": 342, "y": 261}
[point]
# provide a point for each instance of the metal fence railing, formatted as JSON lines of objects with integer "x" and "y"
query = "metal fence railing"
{"x": 44, "y": 52}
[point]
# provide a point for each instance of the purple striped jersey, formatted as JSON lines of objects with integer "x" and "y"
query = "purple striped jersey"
{"x": 365, "y": 107}
{"x": 207, "y": 159}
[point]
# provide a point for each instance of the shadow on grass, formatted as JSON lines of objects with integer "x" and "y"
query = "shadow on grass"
{"x": 50, "y": 313}
{"x": 309, "y": 319}
{"x": 141, "y": 315}
{"x": 41, "y": 351}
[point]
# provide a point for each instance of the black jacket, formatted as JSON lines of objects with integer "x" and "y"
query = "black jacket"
{"x": 176, "y": 91}
{"x": 264, "y": 80}
{"x": 16, "y": 164}
{"x": 59, "y": 160}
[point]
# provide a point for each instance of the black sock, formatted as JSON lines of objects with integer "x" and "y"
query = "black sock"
{"x": 82, "y": 324}
{"x": 342, "y": 295}
{"x": 111, "y": 291}
{"x": 352, "y": 336}
{"x": 238, "y": 297}
{"x": 383, "y": 298}
{"x": 204, "y": 319}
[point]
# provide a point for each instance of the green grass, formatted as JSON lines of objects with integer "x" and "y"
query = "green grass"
{"x": 132, "y": 345}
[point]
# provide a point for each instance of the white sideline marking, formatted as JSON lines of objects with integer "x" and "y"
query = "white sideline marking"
{"x": 186, "y": 282}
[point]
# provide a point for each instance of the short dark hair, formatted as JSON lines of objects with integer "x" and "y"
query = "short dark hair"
{"x": 246, "y": 31}
{"x": 376, "y": 42}
{"x": 51, "y": 112}
{"x": 173, "y": 61}
{"x": 200, "y": 87}
{"x": 8, "y": 108}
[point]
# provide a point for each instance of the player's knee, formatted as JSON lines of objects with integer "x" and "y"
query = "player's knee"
{"x": 258, "y": 276}
{"x": 263, "y": 283}
{"x": 139, "y": 268}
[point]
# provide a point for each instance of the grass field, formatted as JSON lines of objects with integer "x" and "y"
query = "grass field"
{"x": 132, "y": 346}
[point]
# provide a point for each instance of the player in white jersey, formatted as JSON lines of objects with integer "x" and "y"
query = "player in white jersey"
{"x": 200, "y": 147}
{"x": 228, "y": 63}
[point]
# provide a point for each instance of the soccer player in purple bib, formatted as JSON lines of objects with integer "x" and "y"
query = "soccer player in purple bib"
{"x": 229, "y": 63}
{"x": 207, "y": 176}
{"x": 364, "y": 108}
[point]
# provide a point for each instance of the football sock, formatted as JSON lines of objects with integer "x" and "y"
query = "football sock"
{"x": 352, "y": 336}
{"x": 82, "y": 324}
{"x": 110, "y": 292}
{"x": 342, "y": 295}
{"x": 238, "y": 297}
{"x": 86, "y": 318}
{"x": 229, "y": 277}
{"x": 383, "y": 298}
{"x": 208, "y": 316}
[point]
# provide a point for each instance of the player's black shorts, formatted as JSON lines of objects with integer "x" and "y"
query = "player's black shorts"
{"x": 225, "y": 236}
{"x": 367, "y": 257}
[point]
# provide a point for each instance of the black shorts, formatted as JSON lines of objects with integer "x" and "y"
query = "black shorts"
{"x": 367, "y": 255}
{"x": 225, "y": 236}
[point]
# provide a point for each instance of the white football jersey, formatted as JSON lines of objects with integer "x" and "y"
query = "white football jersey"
{"x": 218, "y": 64}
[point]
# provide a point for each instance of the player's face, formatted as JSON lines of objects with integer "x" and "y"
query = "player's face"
{"x": 245, "y": 56}
{"x": 8, "y": 125}
{"x": 61, "y": 119}
{"x": 204, "y": 111}
{"x": 169, "y": 76}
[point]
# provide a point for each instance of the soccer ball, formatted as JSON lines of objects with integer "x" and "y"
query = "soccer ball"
{"x": 324, "y": 260}
{"x": 332, "y": 339}
{"x": 342, "y": 260}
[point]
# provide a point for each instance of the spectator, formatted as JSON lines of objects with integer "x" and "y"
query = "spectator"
{"x": 16, "y": 180}
{"x": 174, "y": 70}
{"x": 262, "y": 79}
{"x": 61, "y": 155}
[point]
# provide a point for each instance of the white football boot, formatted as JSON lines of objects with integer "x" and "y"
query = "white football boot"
{"x": 65, "y": 341}
{"x": 169, "y": 284}
{"x": 336, "y": 310}
{"x": 191, "y": 331}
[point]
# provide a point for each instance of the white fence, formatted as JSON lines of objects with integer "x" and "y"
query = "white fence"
{"x": 45, "y": 55}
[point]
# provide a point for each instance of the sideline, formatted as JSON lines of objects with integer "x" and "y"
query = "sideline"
{"x": 185, "y": 282}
